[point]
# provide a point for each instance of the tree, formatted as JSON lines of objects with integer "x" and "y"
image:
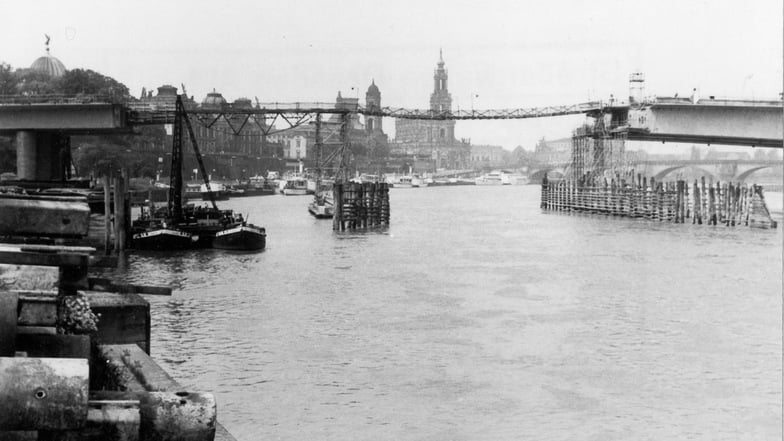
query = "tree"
{"x": 88, "y": 82}
{"x": 7, "y": 80}
{"x": 33, "y": 82}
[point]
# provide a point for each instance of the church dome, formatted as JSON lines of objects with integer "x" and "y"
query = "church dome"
{"x": 49, "y": 65}
{"x": 213, "y": 99}
{"x": 242, "y": 103}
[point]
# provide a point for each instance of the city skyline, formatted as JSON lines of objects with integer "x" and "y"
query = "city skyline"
{"x": 499, "y": 55}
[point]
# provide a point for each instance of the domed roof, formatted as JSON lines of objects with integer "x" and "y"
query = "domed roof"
{"x": 242, "y": 103}
{"x": 373, "y": 89}
{"x": 213, "y": 99}
{"x": 49, "y": 65}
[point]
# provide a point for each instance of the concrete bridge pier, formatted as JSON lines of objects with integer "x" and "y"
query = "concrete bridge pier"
{"x": 41, "y": 156}
{"x": 26, "y": 155}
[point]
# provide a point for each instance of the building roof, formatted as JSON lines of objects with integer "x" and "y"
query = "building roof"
{"x": 49, "y": 64}
{"x": 373, "y": 89}
{"x": 213, "y": 99}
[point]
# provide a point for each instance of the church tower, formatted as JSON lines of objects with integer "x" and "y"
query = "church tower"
{"x": 440, "y": 99}
{"x": 373, "y": 102}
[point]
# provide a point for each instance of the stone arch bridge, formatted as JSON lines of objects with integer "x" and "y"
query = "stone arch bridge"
{"x": 737, "y": 170}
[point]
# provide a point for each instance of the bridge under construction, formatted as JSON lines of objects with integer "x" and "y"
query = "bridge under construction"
{"x": 42, "y": 125}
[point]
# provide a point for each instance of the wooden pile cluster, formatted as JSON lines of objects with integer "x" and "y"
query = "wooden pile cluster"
{"x": 360, "y": 205}
{"x": 117, "y": 211}
{"x": 711, "y": 203}
{"x": 60, "y": 377}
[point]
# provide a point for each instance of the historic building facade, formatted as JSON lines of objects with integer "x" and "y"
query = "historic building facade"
{"x": 366, "y": 137}
{"x": 433, "y": 139}
{"x": 487, "y": 156}
{"x": 282, "y": 147}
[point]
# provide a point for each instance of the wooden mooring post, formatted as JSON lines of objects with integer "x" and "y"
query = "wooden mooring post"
{"x": 731, "y": 204}
{"x": 360, "y": 205}
{"x": 107, "y": 212}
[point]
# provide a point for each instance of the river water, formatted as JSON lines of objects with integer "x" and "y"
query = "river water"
{"x": 477, "y": 316}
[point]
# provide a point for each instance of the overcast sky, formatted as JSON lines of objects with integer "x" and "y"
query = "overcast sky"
{"x": 511, "y": 54}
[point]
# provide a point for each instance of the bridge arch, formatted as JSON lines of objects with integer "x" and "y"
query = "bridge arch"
{"x": 666, "y": 171}
{"x": 550, "y": 172}
{"x": 742, "y": 177}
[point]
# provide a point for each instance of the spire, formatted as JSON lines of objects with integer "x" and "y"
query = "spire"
{"x": 440, "y": 57}
{"x": 47, "y": 43}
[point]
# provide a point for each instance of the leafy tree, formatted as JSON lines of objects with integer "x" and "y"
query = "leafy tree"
{"x": 89, "y": 82}
{"x": 32, "y": 82}
{"x": 8, "y": 80}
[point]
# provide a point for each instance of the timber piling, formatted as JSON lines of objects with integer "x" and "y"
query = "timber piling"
{"x": 730, "y": 204}
{"x": 360, "y": 205}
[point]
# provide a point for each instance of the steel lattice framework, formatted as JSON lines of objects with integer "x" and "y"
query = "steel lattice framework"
{"x": 296, "y": 113}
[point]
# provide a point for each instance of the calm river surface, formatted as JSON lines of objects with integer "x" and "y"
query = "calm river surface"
{"x": 477, "y": 316}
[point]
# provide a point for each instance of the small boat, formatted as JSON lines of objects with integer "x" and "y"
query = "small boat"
{"x": 403, "y": 182}
{"x": 364, "y": 177}
{"x": 418, "y": 182}
{"x": 322, "y": 206}
{"x": 181, "y": 225}
{"x": 206, "y": 227}
{"x": 241, "y": 237}
{"x": 259, "y": 186}
{"x": 163, "y": 239}
{"x": 493, "y": 178}
{"x": 321, "y": 211}
{"x": 191, "y": 191}
{"x": 295, "y": 187}
{"x": 219, "y": 192}
{"x": 235, "y": 190}
{"x": 151, "y": 231}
